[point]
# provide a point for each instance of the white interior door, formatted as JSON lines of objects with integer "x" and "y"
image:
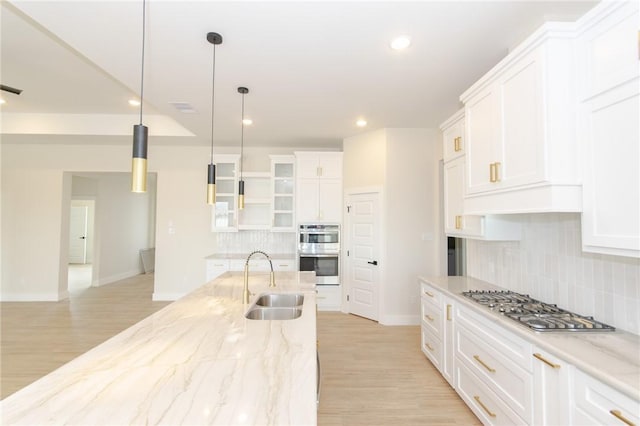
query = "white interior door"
{"x": 78, "y": 234}
{"x": 362, "y": 254}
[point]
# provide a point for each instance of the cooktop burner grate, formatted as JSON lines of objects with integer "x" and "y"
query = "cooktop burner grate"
{"x": 537, "y": 315}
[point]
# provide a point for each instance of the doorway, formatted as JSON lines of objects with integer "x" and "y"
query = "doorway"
{"x": 362, "y": 254}
{"x": 81, "y": 244}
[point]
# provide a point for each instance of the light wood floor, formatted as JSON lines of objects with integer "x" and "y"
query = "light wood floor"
{"x": 372, "y": 374}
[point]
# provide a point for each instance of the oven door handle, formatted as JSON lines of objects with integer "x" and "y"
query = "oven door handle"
{"x": 319, "y": 255}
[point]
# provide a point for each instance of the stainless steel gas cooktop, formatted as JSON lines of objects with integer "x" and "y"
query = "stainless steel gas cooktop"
{"x": 537, "y": 315}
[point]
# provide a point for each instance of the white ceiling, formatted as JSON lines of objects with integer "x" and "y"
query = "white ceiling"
{"x": 312, "y": 68}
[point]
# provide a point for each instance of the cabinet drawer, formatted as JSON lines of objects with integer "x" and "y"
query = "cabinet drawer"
{"x": 510, "y": 382}
{"x": 510, "y": 346}
{"x": 284, "y": 265}
{"x": 432, "y": 347}
{"x": 431, "y": 317}
{"x": 597, "y": 404}
{"x": 431, "y": 295}
{"x": 482, "y": 401}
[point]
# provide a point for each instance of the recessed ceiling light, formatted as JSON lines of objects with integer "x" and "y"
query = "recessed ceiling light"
{"x": 2, "y": 101}
{"x": 134, "y": 102}
{"x": 401, "y": 42}
{"x": 247, "y": 122}
{"x": 361, "y": 122}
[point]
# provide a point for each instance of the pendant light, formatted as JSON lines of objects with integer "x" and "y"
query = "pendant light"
{"x": 215, "y": 39}
{"x": 243, "y": 91}
{"x": 140, "y": 133}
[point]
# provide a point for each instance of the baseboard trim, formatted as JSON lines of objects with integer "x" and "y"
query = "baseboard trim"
{"x": 32, "y": 297}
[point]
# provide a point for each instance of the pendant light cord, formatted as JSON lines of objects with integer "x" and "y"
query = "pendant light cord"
{"x": 144, "y": 14}
{"x": 213, "y": 88}
{"x": 242, "y": 137}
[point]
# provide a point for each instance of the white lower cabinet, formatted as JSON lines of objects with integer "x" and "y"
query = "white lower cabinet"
{"x": 329, "y": 297}
{"x": 437, "y": 330}
{"x": 217, "y": 267}
{"x": 596, "y": 404}
{"x": 497, "y": 362}
{"x": 551, "y": 377}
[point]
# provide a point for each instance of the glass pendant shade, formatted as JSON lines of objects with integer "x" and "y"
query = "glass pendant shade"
{"x": 139, "y": 159}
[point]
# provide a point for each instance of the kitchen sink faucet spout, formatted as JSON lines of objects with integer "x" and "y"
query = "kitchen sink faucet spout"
{"x": 246, "y": 294}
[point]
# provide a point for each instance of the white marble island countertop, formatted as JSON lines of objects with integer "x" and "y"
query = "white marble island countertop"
{"x": 198, "y": 361}
{"x": 612, "y": 357}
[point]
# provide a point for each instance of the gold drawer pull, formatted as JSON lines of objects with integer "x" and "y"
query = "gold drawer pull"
{"x": 489, "y": 369}
{"x": 456, "y": 144}
{"x": 448, "y": 312}
{"x": 617, "y": 414}
{"x": 428, "y": 346}
{"x": 429, "y": 317}
{"x": 458, "y": 222}
{"x": 496, "y": 169}
{"x": 492, "y": 172}
{"x": 484, "y": 407}
{"x": 428, "y": 294}
{"x": 546, "y": 361}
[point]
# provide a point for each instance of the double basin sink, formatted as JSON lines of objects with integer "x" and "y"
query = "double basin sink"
{"x": 276, "y": 306}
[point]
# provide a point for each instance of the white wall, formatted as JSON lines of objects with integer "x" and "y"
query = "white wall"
{"x": 548, "y": 263}
{"x": 405, "y": 163}
{"x": 33, "y": 212}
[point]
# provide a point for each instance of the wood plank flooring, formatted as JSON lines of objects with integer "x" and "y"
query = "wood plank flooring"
{"x": 372, "y": 374}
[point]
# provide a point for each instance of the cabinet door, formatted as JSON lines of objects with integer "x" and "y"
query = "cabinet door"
{"x": 330, "y": 165}
{"x": 447, "y": 341}
{"x": 611, "y": 216}
{"x": 521, "y": 158}
{"x": 307, "y": 199}
{"x": 453, "y": 140}
{"x": 456, "y": 223}
{"x": 307, "y": 165}
{"x": 330, "y": 200}
{"x": 550, "y": 389}
{"x": 483, "y": 135}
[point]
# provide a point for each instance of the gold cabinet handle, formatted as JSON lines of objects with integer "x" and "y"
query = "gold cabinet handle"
{"x": 428, "y": 346}
{"x": 546, "y": 361}
{"x": 428, "y": 294}
{"x": 496, "y": 171}
{"x": 429, "y": 317}
{"x": 458, "y": 222}
{"x": 618, "y": 415}
{"x": 456, "y": 144}
{"x": 492, "y": 172}
{"x": 484, "y": 407}
{"x": 448, "y": 312}
{"x": 482, "y": 363}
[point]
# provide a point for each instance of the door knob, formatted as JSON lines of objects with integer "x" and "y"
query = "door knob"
{"x": 374, "y": 262}
{"x": 82, "y": 238}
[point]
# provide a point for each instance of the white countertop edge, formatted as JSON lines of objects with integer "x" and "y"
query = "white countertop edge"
{"x": 243, "y": 256}
{"x": 601, "y": 361}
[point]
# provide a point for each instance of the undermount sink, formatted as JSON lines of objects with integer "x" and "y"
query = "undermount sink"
{"x": 279, "y": 300}
{"x": 270, "y": 313}
{"x": 276, "y": 307}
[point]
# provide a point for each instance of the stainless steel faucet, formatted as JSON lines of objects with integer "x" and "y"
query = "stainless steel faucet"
{"x": 246, "y": 295}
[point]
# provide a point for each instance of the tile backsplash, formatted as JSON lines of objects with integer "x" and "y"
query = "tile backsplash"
{"x": 244, "y": 242}
{"x": 548, "y": 264}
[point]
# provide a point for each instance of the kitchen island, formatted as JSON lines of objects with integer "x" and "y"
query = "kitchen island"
{"x": 197, "y": 361}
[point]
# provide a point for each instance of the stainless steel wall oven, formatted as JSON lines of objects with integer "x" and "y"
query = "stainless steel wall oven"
{"x": 319, "y": 251}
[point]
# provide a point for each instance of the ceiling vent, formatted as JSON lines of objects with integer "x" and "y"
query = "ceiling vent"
{"x": 184, "y": 107}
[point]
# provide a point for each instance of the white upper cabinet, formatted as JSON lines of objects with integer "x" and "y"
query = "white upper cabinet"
{"x": 224, "y": 213}
{"x": 456, "y": 222}
{"x": 608, "y": 127}
{"x": 453, "y": 136}
{"x": 283, "y": 192}
{"x": 521, "y": 150}
{"x": 319, "y": 187}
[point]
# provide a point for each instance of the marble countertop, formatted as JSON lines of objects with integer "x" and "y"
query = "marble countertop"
{"x": 611, "y": 357}
{"x": 243, "y": 256}
{"x": 196, "y": 361}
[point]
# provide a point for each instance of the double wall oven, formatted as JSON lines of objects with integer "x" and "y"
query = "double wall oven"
{"x": 319, "y": 251}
